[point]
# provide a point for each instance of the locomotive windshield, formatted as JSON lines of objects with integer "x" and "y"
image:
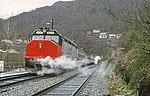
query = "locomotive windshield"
{"x": 46, "y": 34}
{"x": 35, "y": 37}
{"x": 53, "y": 38}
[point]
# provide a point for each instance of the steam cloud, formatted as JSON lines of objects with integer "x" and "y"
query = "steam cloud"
{"x": 96, "y": 59}
{"x": 60, "y": 64}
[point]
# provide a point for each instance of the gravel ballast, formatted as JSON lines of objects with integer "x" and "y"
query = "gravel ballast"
{"x": 98, "y": 84}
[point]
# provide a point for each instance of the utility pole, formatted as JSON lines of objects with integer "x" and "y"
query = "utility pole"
{"x": 52, "y": 21}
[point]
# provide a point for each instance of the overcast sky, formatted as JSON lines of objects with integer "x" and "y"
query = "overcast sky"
{"x": 12, "y": 7}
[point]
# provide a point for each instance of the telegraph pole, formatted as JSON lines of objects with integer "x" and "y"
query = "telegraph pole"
{"x": 52, "y": 21}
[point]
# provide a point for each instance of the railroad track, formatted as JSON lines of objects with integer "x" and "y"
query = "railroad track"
{"x": 14, "y": 79}
{"x": 13, "y": 76}
{"x": 85, "y": 91}
{"x": 69, "y": 87}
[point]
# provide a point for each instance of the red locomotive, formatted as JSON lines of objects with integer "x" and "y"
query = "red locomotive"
{"x": 47, "y": 42}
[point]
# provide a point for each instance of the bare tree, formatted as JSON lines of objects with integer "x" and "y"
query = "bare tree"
{"x": 140, "y": 14}
{"x": 8, "y": 34}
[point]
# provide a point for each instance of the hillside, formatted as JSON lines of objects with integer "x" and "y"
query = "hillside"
{"x": 1, "y": 24}
{"x": 73, "y": 18}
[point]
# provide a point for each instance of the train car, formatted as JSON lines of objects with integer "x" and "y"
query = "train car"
{"x": 47, "y": 42}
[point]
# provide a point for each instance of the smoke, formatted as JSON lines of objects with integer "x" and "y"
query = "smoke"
{"x": 59, "y": 65}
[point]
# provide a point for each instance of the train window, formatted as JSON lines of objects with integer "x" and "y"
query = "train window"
{"x": 35, "y": 37}
{"x": 53, "y": 38}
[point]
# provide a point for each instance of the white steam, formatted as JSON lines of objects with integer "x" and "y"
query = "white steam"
{"x": 96, "y": 59}
{"x": 59, "y": 65}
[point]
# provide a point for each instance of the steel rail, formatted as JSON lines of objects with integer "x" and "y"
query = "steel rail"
{"x": 76, "y": 87}
{"x": 19, "y": 81}
{"x": 54, "y": 86}
{"x": 14, "y": 76}
{"x": 77, "y": 91}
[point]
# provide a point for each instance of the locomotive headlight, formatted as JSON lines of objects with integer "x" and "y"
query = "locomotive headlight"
{"x": 50, "y": 33}
{"x": 40, "y": 45}
{"x": 39, "y": 32}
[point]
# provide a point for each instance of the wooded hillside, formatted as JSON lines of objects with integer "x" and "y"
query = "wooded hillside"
{"x": 72, "y": 19}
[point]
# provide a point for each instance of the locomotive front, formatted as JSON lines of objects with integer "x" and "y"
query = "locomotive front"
{"x": 42, "y": 43}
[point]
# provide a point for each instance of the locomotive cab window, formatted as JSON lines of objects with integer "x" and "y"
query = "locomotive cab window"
{"x": 42, "y": 34}
{"x": 36, "y": 37}
{"x": 53, "y": 38}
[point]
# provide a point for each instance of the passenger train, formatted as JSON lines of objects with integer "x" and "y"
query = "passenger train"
{"x": 47, "y": 42}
